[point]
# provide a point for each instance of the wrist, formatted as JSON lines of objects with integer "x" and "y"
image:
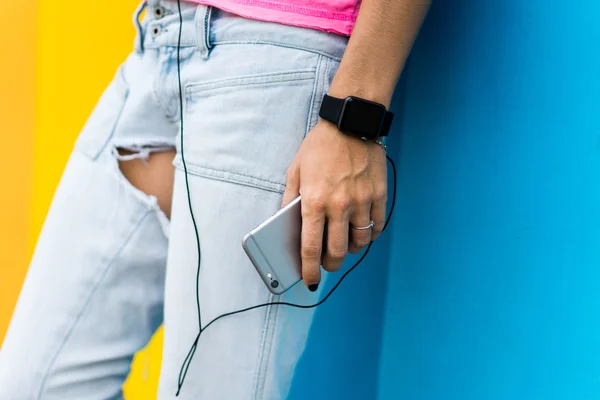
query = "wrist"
{"x": 343, "y": 91}
{"x": 337, "y": 138}
{"x": 362, "y": 85}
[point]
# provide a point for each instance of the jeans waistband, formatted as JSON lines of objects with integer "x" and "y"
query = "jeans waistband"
{"x": 205, "y": 27}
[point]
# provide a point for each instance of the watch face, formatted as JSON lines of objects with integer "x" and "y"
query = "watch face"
{"x": 362, "y": 118}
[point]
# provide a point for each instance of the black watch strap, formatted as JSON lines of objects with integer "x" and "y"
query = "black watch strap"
{"x": 387, "y": 123}
{"x": 333, "y": 107}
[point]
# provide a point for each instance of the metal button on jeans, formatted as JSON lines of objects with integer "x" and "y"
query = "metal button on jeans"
{"x": 156, "y": 30}
{"x": 159, "y": 12}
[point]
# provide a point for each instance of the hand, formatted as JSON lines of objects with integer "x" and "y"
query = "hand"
{"x": 343, "y": 182}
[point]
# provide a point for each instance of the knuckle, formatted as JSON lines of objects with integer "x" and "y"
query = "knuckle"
{"x": 314, "y": 203}
{"x": 341, "y": 203}
{"x": 380, "y": 195}
{"x": 311, "y": 252}
{"x": 363, "y": 197}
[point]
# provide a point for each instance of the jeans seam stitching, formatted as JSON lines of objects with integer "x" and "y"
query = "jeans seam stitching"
{"x": 313, "y": 96}
{"x": 198, "y": 169}
{"x": 184, "y": 93}
{"x": 285, "y": 45}
{"x": 262, "y": 345}
{"x": 123, "y": 92}
{"x": 249, "y": 80}
{"x": 87, "y": 302}
{"x": 273, "y": 325}
{"x": 156, "y": 99}
{"x": 207, "y": 27}
{"x": 324, "y": 88}
{"x": 269, "y": 333}
{"x": 325, "y": 79}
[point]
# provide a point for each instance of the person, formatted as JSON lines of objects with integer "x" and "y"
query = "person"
{"x": 118, "y": 250}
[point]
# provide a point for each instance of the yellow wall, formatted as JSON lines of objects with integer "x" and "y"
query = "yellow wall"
{"x": 60, "y": 57}
{"x": 17, "y": 114}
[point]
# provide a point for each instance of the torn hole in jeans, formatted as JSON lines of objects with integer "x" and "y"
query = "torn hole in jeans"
{"x": 150, "y": 178}
{"x": 135, "y": 152}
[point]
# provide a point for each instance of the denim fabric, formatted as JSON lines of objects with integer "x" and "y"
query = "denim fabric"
{"x": 109, "y": 265}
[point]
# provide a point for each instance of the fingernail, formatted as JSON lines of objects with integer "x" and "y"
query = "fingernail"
{"x": 313, "y": 287}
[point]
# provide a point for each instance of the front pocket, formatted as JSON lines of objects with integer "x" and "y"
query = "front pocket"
{"x": 249, "y": 80}
{"x": 101, "y": 124}
{"x": 248, "y": 129}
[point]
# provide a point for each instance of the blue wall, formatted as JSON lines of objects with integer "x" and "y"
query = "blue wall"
{"x": 492, "y": 262}
{"x": 343, "y": 352}
{"x": 494, "y": 285}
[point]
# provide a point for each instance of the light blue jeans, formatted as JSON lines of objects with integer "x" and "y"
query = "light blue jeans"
{"x": 109, "y": 264}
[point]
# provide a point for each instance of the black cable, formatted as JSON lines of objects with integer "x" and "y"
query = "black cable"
{"x": 188, "y": 359}
{"x": 187, "y": 183}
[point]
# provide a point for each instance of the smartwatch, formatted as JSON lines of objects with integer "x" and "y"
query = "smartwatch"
{"x": 357, "y": 117}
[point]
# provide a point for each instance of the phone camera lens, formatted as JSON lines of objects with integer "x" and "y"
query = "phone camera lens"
{"x": 274, "y": 284}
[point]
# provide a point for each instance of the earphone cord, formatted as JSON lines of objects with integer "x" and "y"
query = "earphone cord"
{"x": 188, "y": 359}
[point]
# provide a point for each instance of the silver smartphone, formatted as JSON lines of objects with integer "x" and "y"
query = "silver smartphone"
{"x": 274, "y": 248}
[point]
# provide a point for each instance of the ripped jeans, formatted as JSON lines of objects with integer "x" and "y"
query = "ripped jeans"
{"x": 109, "y": 264}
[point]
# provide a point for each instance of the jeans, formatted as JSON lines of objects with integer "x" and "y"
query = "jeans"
{"x": 110, "y": 267}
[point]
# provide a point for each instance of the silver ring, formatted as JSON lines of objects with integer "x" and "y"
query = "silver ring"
{"x": 362, "y": 228}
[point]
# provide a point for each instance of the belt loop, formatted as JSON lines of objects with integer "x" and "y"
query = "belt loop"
{"x": 139, "y": 42}
{"x": 202, "y": 22}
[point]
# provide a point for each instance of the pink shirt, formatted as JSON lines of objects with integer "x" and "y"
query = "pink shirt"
{"x": 336, "y": 16}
